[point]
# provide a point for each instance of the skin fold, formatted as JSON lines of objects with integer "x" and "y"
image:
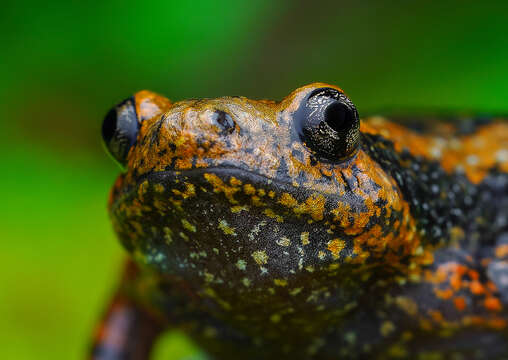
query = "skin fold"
{"x": 291, "y": 229}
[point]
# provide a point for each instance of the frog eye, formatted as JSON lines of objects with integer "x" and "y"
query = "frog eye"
{"x": 120, "y": 130}
{"x": 328, "y": 123}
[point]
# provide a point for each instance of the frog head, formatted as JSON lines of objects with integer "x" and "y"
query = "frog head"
{"x": 240, "y": 196}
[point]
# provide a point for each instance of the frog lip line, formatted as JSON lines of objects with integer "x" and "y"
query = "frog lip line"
{"x": 222, "y": 171}
{"x": 161, "y": 176}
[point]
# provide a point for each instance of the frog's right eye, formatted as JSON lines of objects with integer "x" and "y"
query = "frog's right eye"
{"x": 120, "y": 130}
{"x": 328, "y": 124}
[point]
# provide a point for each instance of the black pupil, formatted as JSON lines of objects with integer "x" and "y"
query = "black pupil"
{"x": 339, "y": 116}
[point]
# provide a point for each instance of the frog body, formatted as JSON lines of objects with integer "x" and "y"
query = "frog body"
{"x": 292, "y": 229}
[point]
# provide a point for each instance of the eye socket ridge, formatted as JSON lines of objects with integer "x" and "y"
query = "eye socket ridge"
{"x": 328, "y": 123}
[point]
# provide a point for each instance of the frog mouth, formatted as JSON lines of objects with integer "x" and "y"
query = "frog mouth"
{"x": 226, "y": 174}
{"x": 217, "y": 179}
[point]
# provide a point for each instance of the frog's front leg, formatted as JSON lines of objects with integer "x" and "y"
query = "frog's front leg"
{"x": 126, "y": 331}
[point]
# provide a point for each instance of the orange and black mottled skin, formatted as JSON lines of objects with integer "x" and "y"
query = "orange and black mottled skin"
{"x": 258, "y": 247}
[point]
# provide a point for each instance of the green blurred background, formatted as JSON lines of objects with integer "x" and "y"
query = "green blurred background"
{"x": 64, "y": 64}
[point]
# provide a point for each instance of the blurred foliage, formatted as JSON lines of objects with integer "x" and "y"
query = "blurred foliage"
{"x": 63, "y": 64}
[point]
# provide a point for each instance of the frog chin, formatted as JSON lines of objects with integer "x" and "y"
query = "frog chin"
{"x": 246, "y": 241}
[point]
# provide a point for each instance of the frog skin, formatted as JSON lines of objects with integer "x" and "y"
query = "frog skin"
{"x": 291, "y": 229}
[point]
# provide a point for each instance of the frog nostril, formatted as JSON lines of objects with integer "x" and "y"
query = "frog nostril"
{"x": 223, "y": 121}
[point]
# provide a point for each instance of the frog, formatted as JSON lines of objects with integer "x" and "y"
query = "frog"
{"x": 295, "y": 229}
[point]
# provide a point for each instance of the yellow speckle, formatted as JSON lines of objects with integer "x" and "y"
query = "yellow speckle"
{"x": 305, "y": 238}
{"x": 208, "y": 276}
{"x": 387, "y": 327}
{"x": 321, "y": 255}
{"x": 176, "y": 203}
{"x": 187, "y": 225}
{"x": 180, "y": 140}
{"x": 350, "y": 337}
{"x": 398, "y": 351}
{"x": 226, "y": 229}
{"x": 143, "y": 188}
{"x": 295, "y": 291}
{"x": 407, "y": 304}
{"x": 333, "y": 266}
{"x": 314, "y": 206}
{"x": 183, "y": 236}
{"x": 219, "y": 186}
{"x": 283, "y": 241}
{"x": 256, "y": 201}
{"x": 271, "y": 214}
{"x": 260, "y": 257}
{"x": 190, "y": 191}
{"x": 246, "y": 282}
{"x": 168, "y": 235}
{"x": 249, "y": 189}
{"x": 431, "y": 355}
{"x": 275, "y": 318}
{"x": 287, "y": 200}
{"x": 309, "y": 268}
{"x": 238, "y": 208}
{"x": 241, "y": 264}
{"x": 280, "y": 282}
{"x": 261, "y": 192}
{"x": 235, "y": 182}
{"x": 159, "y": 188}
{"x": 335, "y": 246}
{"x": 271, "y": 194}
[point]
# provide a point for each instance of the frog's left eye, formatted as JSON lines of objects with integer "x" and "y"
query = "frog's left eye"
{"x": 328, "y": 123}
{"x": 120, "y": 130}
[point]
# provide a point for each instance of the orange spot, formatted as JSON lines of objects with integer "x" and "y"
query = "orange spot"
{"x": 502, "y": 251}
{"x": 335, "y": 246}
{"x": 436, "y": 315}
{"x": 497, "y": 323}
{"x": 455, "y": 282}
{"x": 473, "y": 274}
{"x": 444, "y": 294}
{"x": 476, "y": 320}
{"x": 493, "y": 304}
{"x": 476, "y": 288}
{"x": 491, "y": 286}
{"x": 460, "y": 303}
{"x": 287, "y": 200}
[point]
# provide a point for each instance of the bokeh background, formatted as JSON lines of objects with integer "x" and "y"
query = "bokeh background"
{"x": 63, "y": 64}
